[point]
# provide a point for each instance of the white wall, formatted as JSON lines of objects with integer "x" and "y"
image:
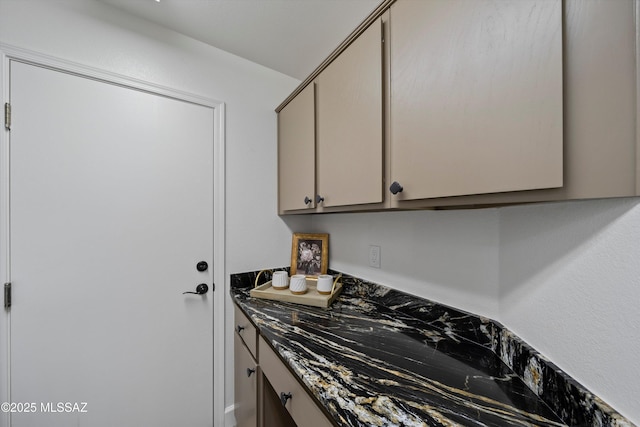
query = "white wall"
{"x": 570, "y": 287}
{"x": 447, "y": 256}
{"x": 94, "y": 34}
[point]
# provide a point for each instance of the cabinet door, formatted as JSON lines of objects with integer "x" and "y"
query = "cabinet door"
{"x": 476, "y": 96}
{"x": 349, "y": 124}
{"x": 296, "y": 152}
{"x": 246, "y": 386}
{"x": 245, "y": 330}
{"x": 295, "y": 399}
{"x": 274, "y": 414}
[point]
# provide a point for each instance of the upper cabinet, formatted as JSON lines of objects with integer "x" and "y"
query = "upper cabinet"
{"x": 330, "y": 136}
{"x": 473, "y": 103}
{"x": 476, "y": 96}
{"x": 349, "y": 124}
{"x": 296, "y": 153}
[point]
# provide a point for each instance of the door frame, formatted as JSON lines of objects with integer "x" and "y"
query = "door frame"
{"x": 8, "y": 53}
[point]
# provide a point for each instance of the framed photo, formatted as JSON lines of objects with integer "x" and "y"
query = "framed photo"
{"x": 309, "y": 254}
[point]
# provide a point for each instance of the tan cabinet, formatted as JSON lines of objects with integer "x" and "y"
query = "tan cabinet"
{"x": 600, "y": 111}
{"x": 296, "y": 153}
{"x": 274, "y": 414}
{"x": 484, "y": 103}
{"x": 266, "y": 393}
{"x": 298, "y": 403}
{"x": 246, "y": 386}
{"x": 330, "y": 136}
{"x": 245, "y": 330}
{"x": 247, "y": 374}
{"x": 475, "y": 96}
{"x": 349, "y": 134}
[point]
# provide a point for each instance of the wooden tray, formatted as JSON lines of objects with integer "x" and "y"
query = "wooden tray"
{"x": 312, "y": 297}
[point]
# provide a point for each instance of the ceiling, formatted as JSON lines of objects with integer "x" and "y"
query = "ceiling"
{"x": 290, "y": 36}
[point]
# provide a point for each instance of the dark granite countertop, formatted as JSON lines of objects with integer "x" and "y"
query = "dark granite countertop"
{"x": 370, "y": 361}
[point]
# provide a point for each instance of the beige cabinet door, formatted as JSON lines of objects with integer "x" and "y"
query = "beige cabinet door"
{"x": 246, "y": 386}
{"x": 349, "y": 124}
{"x": 476, "y": 96}
{"x": 300, "y": 405}
{"x": 296, "y": 153}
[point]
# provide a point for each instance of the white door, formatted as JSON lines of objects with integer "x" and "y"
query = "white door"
{"x": 111, "y": 208}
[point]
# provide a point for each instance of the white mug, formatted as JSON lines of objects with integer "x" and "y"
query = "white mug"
{"x": 325, "y": 284}
{"x": 280, "y": 280}
{"x": 298, "y": 285}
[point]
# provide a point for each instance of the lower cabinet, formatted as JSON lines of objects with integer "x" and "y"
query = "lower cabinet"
{"x": 266, "y": 393}
{"x": 290, "y": 393}
{"x": 246, "y": 377}
{"x": 273, "y": 413}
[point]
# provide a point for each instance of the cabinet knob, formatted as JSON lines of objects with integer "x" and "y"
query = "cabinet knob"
{"x": 396, "y": 188}
{"x": 284, "y": 397}
{"x": 250, "y": 371}
{"x": 319, "y": 198}
{"x": 307, "y": 200}
{"x": 239, "y": 329}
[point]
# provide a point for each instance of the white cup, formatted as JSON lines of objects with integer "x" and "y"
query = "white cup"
{"x": 280, "y": 280}
{"x": 325, "y": 284}
{"x": 298, "y": 285}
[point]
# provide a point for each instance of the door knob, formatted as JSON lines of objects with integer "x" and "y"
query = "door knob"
{"x": 201, "y": 289}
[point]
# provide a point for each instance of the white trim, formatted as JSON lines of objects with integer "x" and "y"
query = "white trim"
{"x": 7, "y": 53}
{"x": 636, "y": 5}
{"x": 5, "y": 275}
{"x": 219, "y": 276}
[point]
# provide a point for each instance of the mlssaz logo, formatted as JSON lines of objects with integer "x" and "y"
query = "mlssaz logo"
{"x": 67, "y": 407}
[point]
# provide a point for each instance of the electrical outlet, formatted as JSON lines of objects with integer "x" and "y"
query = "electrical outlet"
{"x": 374, "y": 256}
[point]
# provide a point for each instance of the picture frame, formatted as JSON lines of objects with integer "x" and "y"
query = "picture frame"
{"x": 309, "y": 254}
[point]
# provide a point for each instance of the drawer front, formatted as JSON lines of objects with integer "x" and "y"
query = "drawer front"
{"x": 246, "y": 331}
{"x": 301, "y": 405}
{"x": 246, "y": 374}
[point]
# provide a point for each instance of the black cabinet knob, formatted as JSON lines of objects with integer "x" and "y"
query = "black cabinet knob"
{"x": 319, "y": 198}
{"x": 396, "y": 188}
{"x": 239, "y": 329}
{"x": 307, "y": 200}
{"x": 284, "y": 397}
{"x": 202, "y": 266}
{"x": 250, "y": 371}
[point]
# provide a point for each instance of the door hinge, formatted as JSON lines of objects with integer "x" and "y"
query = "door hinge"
{"x": 7, "y": 295}
{"x": 7, "y": 116}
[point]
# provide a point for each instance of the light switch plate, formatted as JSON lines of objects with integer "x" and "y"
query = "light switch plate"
{"x": 374, "y": 256}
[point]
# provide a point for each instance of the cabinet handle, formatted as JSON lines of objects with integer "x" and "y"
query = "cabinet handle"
{"x": 239, "y": 329}
{"x": 319, "y": 198}
{"x": 307, "y": 200}
{"x": 396, "y": 188}
{"x": 284, "y": 397}
{"x": 250, "y": 371}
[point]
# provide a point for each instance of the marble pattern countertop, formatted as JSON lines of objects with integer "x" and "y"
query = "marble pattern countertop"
{"x": 370, "y": 360}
